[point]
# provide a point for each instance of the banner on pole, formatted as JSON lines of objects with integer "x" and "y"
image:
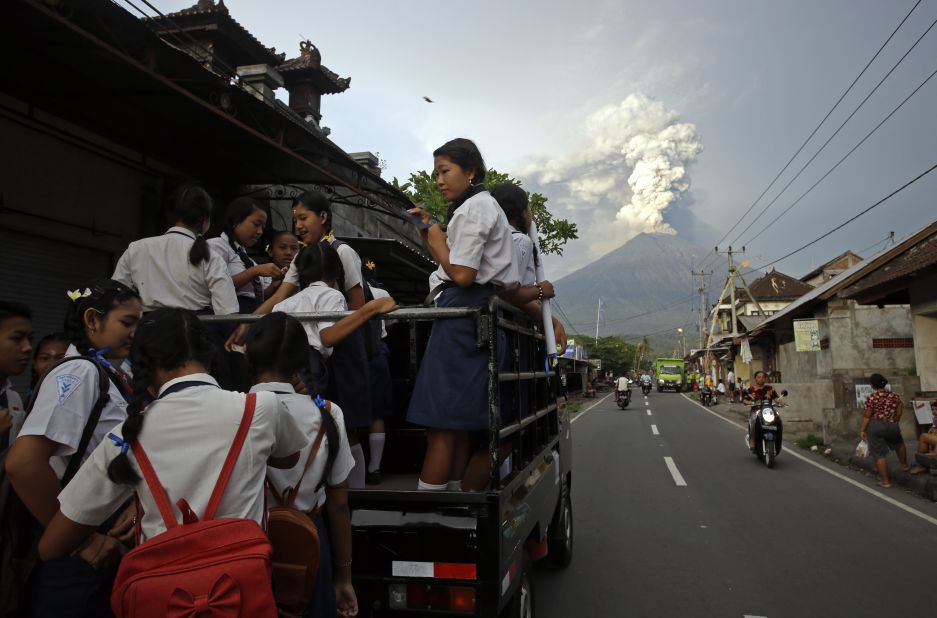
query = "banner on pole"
{"x": 807, "y": 335}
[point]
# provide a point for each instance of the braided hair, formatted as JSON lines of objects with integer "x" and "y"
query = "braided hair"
{"x": 277, "y": 344}
{"x": 165, "y": 339}
{"x": 190, "y": 204}
{"x": 320, "y": 262}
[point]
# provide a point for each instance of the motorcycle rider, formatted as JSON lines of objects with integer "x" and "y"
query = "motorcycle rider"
{"x": 756, "y": 393}
{"x": 621, "y": 385}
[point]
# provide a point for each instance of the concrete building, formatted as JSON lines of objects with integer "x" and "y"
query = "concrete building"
{"x": 828, "y": 386}
{"x": 836, "y": 266}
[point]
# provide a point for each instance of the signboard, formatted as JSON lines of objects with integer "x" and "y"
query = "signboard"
{"x": 807, "y": 335}
{"x": 922, "y": 411}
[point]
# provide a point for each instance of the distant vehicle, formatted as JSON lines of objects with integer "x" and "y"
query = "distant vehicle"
{"x": 671, "y": 373}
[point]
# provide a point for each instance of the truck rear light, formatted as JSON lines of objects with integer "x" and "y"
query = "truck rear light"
{"x": 424, "y": 597}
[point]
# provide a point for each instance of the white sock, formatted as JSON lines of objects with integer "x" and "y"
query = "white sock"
{"x": 376, "y": 441}
{"x": 454, "y": 485}
{"x": 429, "y": 486}
{"x": 356, "y": 476}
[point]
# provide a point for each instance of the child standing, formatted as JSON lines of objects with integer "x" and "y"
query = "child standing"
{"x": 282, "y": 249}
{"x": 277, "y": 352}
{"x": 60, "y": 433}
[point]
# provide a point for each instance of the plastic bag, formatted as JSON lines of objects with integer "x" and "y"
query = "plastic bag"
{"x": 862, "y": 449}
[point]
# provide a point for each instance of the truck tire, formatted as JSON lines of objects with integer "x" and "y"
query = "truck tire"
{"x": 521, "y": 604}
{"x": 560, "y": 534}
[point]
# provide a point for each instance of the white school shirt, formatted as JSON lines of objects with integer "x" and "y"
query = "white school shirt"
{"x": 187, "y": 436}
{"x": 380, "y": 293}
{"x": 721, "y": 388}
{"x": 623, "y": 383}
{"x": 235, "y": 266}
{"x": 351, "y": 264}
{"x": 308, "y": 418}
{"x": 16, "y": 410}
{"x": 62, "y": 407}
{"x": 160, "y": 270}
{"x": 526, "y": 266}
{"x": 318, "y": 297}
{"x": 479, "y": 236}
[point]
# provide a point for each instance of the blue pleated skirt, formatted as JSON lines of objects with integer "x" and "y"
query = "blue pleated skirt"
{"x": 451, "y": 390}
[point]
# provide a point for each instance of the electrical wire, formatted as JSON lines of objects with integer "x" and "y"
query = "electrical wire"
{"x": 817, "y": 128}
{"x": 851, "y": 219}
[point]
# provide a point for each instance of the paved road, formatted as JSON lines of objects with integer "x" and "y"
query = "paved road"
{"x": 737, "y": 539}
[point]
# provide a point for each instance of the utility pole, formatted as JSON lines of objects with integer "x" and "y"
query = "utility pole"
{"x": 730, "y": 288}
{"x": 703, "y": 304}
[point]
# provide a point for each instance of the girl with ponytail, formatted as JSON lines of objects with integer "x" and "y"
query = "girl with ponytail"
{"x": 277, "y": 353}
{"x": 60, "y": 432}
{"x": 187, "y": 430}
{"x": 178, "y": 269}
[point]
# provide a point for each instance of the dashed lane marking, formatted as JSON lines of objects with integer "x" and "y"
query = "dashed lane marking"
{"x": 654, "y": 430}
{"x": 649, "y": 412}
{"x": 677, "y": 477}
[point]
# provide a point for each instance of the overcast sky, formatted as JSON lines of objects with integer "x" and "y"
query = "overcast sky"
{"x": 635, "y": 116}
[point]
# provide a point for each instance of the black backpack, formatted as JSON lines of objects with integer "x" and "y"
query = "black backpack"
{"x": 19, "y": 530}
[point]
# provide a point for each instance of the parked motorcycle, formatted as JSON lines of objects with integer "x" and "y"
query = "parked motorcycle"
{"x": 623, "y": 398}
{"x": 766, "y": 427}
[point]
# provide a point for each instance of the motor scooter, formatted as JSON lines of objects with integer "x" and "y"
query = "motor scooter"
{"x": 646, "y": 388}
{"x": 623, "y": 398}
{"x": 766, "y": 427}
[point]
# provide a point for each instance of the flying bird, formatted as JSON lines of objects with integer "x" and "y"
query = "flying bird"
{"x": 427, "y": 99}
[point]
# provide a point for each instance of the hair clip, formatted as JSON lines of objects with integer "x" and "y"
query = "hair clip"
{"x": 319, "y": 401}
{"x": 124, "y": 445}
{"x": 76, "y": 294}
{"x": 370, "y": 265}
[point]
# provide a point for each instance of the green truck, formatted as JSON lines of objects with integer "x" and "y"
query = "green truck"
{"x": 671, "y": 373}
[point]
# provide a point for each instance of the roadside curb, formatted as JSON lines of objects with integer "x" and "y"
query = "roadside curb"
{"x": 924, "y": 484}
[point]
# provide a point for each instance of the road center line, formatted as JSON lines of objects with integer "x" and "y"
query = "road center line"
{"x": 677, "y": 477}
{"x": 842, "y": 477}
{"x": 654, "y": 430}
{"x": 583, "y": 413}
{"x": 649, "y": 412}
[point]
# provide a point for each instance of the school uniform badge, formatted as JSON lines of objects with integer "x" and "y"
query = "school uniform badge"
{"x": 67, "y": 384}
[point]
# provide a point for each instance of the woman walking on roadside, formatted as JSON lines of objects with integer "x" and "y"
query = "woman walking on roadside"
{"x": 880, "y": 427}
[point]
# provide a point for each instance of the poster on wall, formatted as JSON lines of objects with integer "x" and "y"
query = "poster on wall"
{"x": 862, "y": 393}
{"x": 807, "y": 335}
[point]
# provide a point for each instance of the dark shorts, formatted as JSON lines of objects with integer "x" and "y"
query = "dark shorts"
{"x": 883, "y": 436}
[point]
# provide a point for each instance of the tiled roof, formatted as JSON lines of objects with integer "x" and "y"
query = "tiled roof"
{"x": 208, "y": 7}
{"x": 915, "y": 258}
{"x": 848, "y": 255}
{"x": 777, "y": 285}
{"x": 310, "y": 59}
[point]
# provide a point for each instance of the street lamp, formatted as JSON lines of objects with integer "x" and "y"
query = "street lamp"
{"x": 683, "y": 339}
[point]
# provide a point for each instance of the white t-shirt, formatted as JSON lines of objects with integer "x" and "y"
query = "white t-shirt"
{"x": 63, "y": 405}
{"x": 479, "y": 237}
{"x": 160, "y": 270}
{"x": 308, "y": 418}
{"x": 721, "y": 388}
{"x": 351, "y": 264}
{"x": 16, "y": 410}
{"x": 526, "y": 266}
{"x": 623, "y": 383}
{"x": 730, "y": 378}
{"x": 235, "y": 265}
{"x": 318, "y": 297}
{"x": 187, "y": 436}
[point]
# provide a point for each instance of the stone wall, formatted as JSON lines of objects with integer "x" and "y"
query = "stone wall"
{"x": 924, "y": 323}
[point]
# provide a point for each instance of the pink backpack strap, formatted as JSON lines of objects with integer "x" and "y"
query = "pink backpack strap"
{"x": 231, "y": 460}
{"x": 156, "y": 488}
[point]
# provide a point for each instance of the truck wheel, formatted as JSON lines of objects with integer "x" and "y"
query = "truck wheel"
{"x": 560, "y": 535}
{"x": 521, "y": 604}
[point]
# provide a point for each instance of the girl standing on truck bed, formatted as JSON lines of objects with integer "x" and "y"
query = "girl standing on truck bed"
{"x": 476, "y": 260}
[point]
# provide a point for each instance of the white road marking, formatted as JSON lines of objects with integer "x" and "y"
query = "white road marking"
{"x": 677, "y": 477}
{"x": 842, "y": 477}
{"x": 748, "y": 616}
{"x": 654, "y": 430}
{"x": 583, "y": 413}
{"x": 649, "y": 412}
{"x": 647, "y": 403}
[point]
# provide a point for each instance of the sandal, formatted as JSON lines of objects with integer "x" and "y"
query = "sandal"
{"x": 917, "y": 470}
{"x": 883, "y": 485}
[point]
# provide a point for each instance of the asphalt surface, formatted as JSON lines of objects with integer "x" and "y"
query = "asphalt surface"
{"x": 737, "y": 539}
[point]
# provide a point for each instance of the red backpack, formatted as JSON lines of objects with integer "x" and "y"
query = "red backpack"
{"x": 213, "y": 567}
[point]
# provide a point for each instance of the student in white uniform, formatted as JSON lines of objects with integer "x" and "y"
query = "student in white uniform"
{"x": 187, "y": 434}
{"x": 178, "y": 269}
{"x": 100, "y": 321}
{"x": 48, "y": 351}
{"x": 349, "y": 379}
{"x": 320, "y": 272}
{"x": 277, "y": 353}
{"x": 243, "y": 227}
{"x": 477, "y": 260}
{"x": 282, "y": 249}
{"x": 16, "y": 333}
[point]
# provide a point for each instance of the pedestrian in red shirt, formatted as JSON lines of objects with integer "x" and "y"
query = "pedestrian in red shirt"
{"x": 880, "y": 427}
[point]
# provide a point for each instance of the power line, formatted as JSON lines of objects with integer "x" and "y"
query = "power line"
{"x": 853, "y": 218}
{"x": 817, "y": 128}
{"x": 846, "y": 156}
{"x": 835, "y": 133}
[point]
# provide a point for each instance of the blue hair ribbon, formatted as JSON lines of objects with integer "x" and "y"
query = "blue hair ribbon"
{"x": 319, "y": 401}
{"x": 123, "y": 444}
{"x": 99, "y": 356}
